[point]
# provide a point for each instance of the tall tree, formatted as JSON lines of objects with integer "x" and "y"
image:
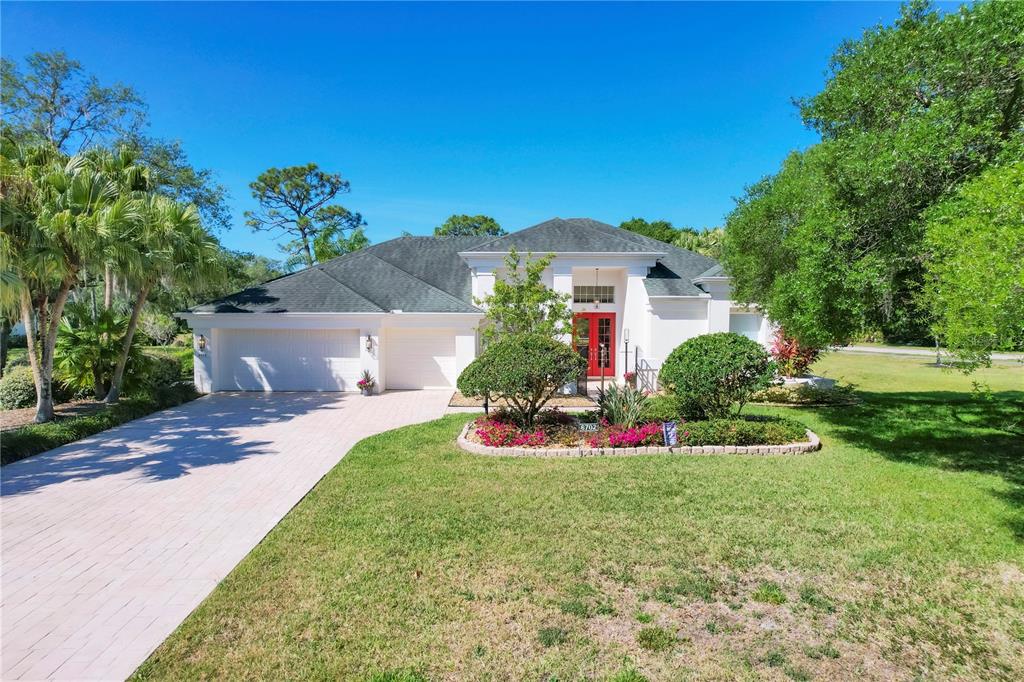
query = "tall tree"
{"x": 909, "y": 113}
{"x": 296, "y": 202}
{"x": 522, "y": 304}
{"x": 173, "y": 248}
{"x": 462, "y": 225}
{"x": 55, "y": 100}
{"x": 56, "y": 211}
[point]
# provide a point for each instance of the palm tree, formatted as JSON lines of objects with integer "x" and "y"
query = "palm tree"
{"x": 169, "y": 245}
{"x": 52, "y": 227}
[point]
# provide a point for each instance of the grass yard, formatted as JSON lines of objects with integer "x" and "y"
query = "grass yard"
{"x": 895, "y": 552}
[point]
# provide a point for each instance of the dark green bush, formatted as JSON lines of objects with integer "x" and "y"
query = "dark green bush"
{"x": 160, "y": 369}
{"x": 748, "y": 431}
{"x": 35, "y": 438}
{"x": 17, "y": 389}
{"x": 16, "y": 360}
{"x": 662, "y": 408}
{"x": 525, "y": 370}
{"x": 713, "y": 371}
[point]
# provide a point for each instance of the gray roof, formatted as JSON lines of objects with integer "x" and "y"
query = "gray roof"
{"x": 571, "y": 235}
{"x": 412, "y": 274}
{"x": 426, "y": 274}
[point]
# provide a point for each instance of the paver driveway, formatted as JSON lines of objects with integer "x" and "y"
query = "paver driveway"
{"x": 108, "y": 543}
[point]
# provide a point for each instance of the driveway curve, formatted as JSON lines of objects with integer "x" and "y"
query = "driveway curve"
{"x": 110, "y": 542}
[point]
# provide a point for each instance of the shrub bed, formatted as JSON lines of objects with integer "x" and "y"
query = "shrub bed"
{"x": 557, "y": 430}
{"x": 35, "y": 438}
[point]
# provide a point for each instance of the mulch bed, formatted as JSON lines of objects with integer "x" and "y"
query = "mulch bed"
{"x": 459, "y": 400}
{"x": 13, "y": 419}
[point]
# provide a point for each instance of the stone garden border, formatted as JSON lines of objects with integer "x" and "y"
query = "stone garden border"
{"x": 812, "y": 444}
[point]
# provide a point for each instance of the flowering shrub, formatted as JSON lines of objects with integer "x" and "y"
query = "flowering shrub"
{"x": 792, "y": 357}
{"x": 630, "y": 378}
{"x": 617, "y": 436}
{"x": 493, "y": 433}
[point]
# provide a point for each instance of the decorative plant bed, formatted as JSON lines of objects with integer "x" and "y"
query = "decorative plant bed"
{"x": 468, "y": 442}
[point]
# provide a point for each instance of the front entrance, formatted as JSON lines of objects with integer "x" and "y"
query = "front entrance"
{"x": 594, "y": 338}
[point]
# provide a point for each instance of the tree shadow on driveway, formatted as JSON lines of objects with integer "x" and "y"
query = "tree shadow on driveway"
{"x": 213, "y": 430}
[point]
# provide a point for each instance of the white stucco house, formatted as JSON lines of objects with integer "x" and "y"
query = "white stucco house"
{"x": 406, "y": 310}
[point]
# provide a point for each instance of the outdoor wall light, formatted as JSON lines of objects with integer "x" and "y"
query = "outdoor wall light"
{"x": 369, "y": 342}
{"x": 201, "y": 343}
{"x": 625, "y": 334}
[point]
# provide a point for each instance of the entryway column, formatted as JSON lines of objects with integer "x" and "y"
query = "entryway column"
{"x": 561, "y": 282}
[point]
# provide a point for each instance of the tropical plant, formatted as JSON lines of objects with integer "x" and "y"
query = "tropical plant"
{"x": 366, "y": 382}
{"x": 176, "y": 249}
{"x": 159, "y": 327}
{"x": 522, "y": 304}
{"x": 56, "y": 212}
{"x": 792, "y": 357}
{"x": 712, "y": 371}
{"x": 525, "y": 370}
{"x": 88, "y": 348}
{"x": 623, "y": 405}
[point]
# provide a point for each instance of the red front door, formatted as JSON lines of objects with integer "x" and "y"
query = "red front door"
{"x": 594, "y": 338}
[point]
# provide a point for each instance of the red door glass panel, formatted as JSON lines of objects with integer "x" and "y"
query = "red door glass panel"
{"x": 594, "y": 337}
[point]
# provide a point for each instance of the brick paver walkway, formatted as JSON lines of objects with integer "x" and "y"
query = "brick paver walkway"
{"x": 108, "y": 543}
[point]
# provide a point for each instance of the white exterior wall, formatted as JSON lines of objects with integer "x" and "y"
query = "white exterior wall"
{"x": 674, "y": 320}
{"x": 202, "y": 360}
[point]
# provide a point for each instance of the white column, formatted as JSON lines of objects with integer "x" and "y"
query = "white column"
{"x": 372, "y": 359}
{"x": 202, "y": 360}
{"x": 718, "y": 308}
{"x": 465, "y": 348}
{"x": 561, "y": 282}
{"x": 635, "y": 316}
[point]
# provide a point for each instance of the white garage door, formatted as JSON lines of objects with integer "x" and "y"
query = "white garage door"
{"x": 288, "y": 359}
{"x": 420, "y": 358}
{"x": 746, "y": 324}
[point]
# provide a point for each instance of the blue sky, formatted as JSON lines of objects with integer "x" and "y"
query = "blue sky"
{"x": 522, "y": 112}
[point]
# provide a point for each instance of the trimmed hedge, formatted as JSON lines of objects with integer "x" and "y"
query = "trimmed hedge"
{"x": 17, "y": 389}
{"x": 712, "y": 371}
{"x": 747, "y": 431}
{"x": 35, "y": 438}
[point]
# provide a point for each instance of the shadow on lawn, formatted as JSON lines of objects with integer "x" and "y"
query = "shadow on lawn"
{"x": 944, "y": 429}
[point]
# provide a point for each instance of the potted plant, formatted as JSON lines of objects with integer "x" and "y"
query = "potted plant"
{"x": 367, "y": 383}
{"x": 630, "y": 378}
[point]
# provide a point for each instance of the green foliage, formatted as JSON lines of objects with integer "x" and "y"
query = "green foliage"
{"x": 974, "y": 284}
{"x": 706, "y": 242}
{"x": 160, "y": 369}
{"x": 656, "y": 639}
{"x": 296, "y": 201}
{"x": 160, "y": 328}
{"x": 769, "y": 592}
{"x": 663, "y": 408}
{"x": 35, "y": 438}
{"x": 622, "y": 405}
{"x": 805, "y": 394}
{"x": 88, "y": 350}
{"x": 834, "y": 242}
{"x": 522, "y": 304}
{"x": 183, "y": 356}
{"x": 17, "y": 389}
{"x": 523, "y": 369}
{"x": 713, "y": 371}
{"x": 749, "y": 431}
{"x": 461, "y": 225}
{"x": 552, "y": 636}
{"x": 55, "y": 100}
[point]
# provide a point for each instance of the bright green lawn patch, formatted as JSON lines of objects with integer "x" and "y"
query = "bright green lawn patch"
{"x": 900, "y": 545}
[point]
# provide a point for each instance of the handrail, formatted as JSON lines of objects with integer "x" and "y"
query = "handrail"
{"x": 646, "y": 376}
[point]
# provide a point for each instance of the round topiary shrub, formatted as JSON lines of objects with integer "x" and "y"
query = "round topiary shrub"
{"x": 711, "y": 372}
{"x": 17, "y": 389}
{"x": 525, "y": 370}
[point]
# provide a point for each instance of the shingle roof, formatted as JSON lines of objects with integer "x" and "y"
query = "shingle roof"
{"x": 570, "y": 235}
{"x": 426, "y": 274}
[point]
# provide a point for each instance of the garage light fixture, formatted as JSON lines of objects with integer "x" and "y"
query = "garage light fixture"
{"x": 201, "y": 343}
{"x": 369, "y": 342}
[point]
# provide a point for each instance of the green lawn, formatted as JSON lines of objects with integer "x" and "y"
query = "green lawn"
{"x": 895, "y": 552}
